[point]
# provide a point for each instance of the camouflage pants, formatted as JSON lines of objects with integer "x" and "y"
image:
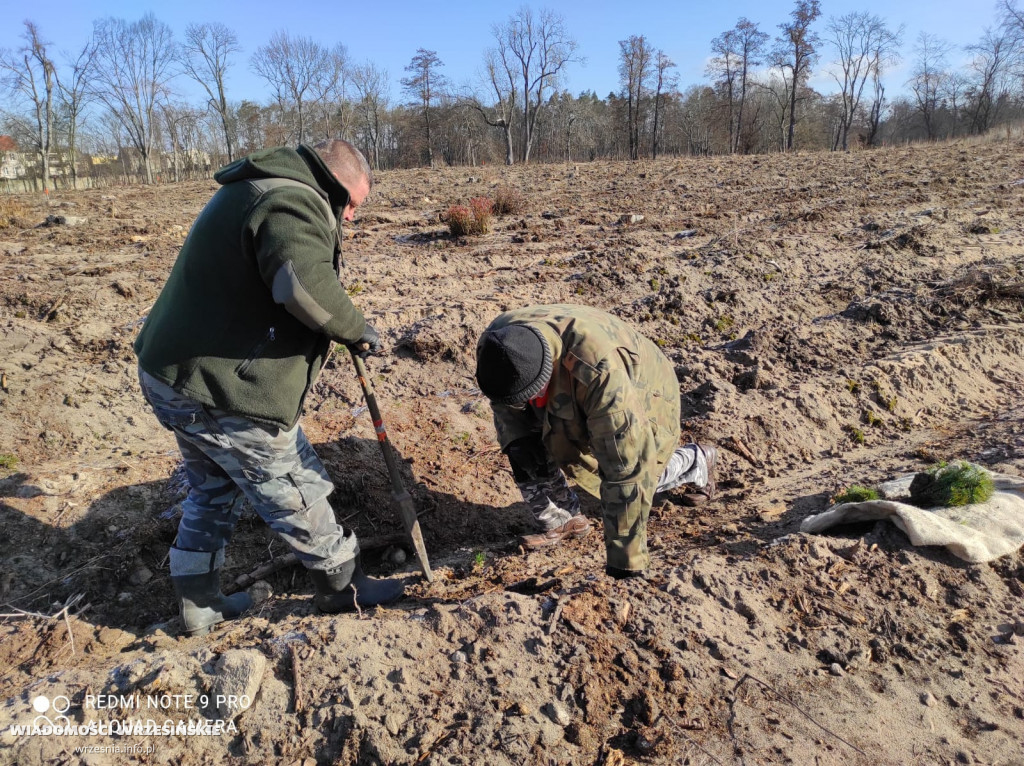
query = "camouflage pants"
{"x": 227, "y": 457}
{"x": 553, "y": 502}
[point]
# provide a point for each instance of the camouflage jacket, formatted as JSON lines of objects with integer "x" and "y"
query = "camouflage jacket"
{"x": 611, "y": 420}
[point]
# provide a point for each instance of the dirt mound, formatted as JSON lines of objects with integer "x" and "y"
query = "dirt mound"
{"x": 833, "y": 319}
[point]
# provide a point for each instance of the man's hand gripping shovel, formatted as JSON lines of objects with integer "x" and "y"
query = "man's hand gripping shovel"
{"x": 399, "y": 495}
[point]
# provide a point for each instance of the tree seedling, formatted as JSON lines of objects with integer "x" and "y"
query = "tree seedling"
{"x": 951, "y": 484}
{"x": 855, "y": 494}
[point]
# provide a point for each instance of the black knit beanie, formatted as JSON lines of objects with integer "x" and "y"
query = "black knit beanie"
{"x": 513, "y": 363}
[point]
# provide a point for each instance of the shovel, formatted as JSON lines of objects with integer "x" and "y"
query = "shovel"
{"x": 399, "y": 496}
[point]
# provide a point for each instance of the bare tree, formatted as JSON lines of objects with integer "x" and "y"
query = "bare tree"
{"x": 134, "y": 64}
{"x": 929, "y": 75}
{"x": 296, "y": 69}
{"x": 500, "y": 78}
{"x": 425, "y": 84}
{"x": 75, "y": 97}
{"x": 724, "y": 70}
{"x": 698, "y": 102}
{"x": 30, "y": 76}
{"x": 329, "y": 103}
{"x": 864, "y": 45}
{"x": 796, "y": 52}
{"x": 991, "y": 58}
{"x": 636, "y": 65}
{"x": 956, "y": 90}
{"x": 665, "y": 82}
{"x": 541, "y": 48}
{"x": 739, "y": 51}
{"x": 371, "y": 85}
{"x": 205, "y": 55}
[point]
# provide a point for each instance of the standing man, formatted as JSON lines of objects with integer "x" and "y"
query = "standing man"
{"x": 577, "y": 390}
{"x": 227, "y": 355}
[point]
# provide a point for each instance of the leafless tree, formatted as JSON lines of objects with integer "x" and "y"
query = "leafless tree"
{"x": 329, "y": 104}
{"x": 30, "y": 76}
{"x": 955, "y": 91}
{"x": 371, "y": 85}
{"x": 991, "y": 58}
{"x": 665, "y": 82}
{"x": 795, "y": 53}
{"x": 738, "y": 52}
{"x": 1012, "y": 19}
{"x": 425, "y": 84}
{"x": 929, "y": 75}
{"x": 75, "y": 97}
{"x": 297, "y": 69}
{"x": 636, "y": 66}
{"x": 205, "y": 58}
{"x": 541, "y": 48}
{"x": 134, "y": 65}
{"x": 864, "y": 45}
{"x": 698, "y": 103}
{"x": 500, "y": 79}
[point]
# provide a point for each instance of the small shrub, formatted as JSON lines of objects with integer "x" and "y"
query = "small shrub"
{"x": 872, "y": 419}
{"x": 509, "y": 201}
{"x": 856, "y": 434}
{"x": 723, "y": 323}
{"x": 475, "y": 219}
{"x": 482, "y": 209}
{"x": 8, "y": 462}
{"x": 947, "y": 485}
{"x": 855, "y": 494}
{"x": 354, "y": 289}
{"x": 459, "y": 220}
{"x": 852, "y": 386}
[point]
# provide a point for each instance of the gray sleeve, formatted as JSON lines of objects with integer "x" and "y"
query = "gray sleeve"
{"x": 289, "y": 292}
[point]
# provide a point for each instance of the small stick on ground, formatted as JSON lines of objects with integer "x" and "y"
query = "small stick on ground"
{"x": 67, "y": 623}
{"x": 741, "y": 449}
{"x": 553, "y": 622}
{"x": 690, "y": 739}
{"x": 296, "y": 680}
{"x": 796, "y": 707}
{"x": 290, "y": 559}
{"x": 281, "y": 562}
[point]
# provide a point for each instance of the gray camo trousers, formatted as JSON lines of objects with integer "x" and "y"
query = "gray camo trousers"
{"x": 228, "y": 457}
{"x": 553, "y": 502}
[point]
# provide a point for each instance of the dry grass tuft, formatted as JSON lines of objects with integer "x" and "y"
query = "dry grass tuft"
{"x": 509, "y": 201}
{"x": 12, "y": 213}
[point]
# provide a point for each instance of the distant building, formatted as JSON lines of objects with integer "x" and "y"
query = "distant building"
{"x": 11, "y": 163}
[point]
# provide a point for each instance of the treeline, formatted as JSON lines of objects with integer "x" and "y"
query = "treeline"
{"x": 113, "y": 107}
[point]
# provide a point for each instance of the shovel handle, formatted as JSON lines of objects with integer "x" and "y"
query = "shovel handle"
{"x": 402, "y": 499}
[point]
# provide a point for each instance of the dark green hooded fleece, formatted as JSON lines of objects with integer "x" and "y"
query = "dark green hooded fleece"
{"x": 247, "y": 316}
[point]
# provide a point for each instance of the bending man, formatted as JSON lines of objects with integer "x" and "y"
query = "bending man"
{"x": 578, "y": 391}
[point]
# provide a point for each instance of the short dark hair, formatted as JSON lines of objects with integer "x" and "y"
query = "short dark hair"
{"x": 344, "y": 160}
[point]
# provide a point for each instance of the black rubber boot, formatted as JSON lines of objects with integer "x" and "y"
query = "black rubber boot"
{"x": 201, "y": 603}
{"x": 342, "y": 590}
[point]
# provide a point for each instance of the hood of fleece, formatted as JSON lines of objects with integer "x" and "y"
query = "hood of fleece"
{"x": 279, "y": 162}
{"x": 302, "y": 164}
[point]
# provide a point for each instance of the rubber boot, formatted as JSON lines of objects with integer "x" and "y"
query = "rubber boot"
{"x": 342, "y": 590}
{"x": 200, "y": 601}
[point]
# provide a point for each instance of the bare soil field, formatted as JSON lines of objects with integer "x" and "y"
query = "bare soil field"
{"x": 833, "y": 318}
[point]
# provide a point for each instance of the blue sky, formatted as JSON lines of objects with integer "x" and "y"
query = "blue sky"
{"x": 388, "y": 33}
